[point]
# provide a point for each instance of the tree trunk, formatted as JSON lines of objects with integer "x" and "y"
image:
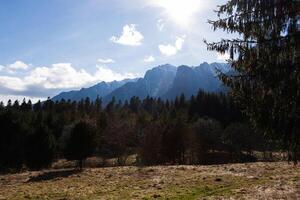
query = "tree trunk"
{"x": 80, "y": 164}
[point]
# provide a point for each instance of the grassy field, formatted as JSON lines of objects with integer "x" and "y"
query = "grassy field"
{"x": 277, "y": 180}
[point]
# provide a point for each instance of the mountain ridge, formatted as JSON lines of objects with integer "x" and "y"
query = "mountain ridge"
{"x": 164, "y": 81}
{"x": 100, "y": 89}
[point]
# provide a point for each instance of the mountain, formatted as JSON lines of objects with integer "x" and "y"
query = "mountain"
{"x": 223, "y": 67}
{"x": 155, "y": 83}
{"x": 189, "y": 80}
{"x": 164, "y": 81}
{"x": 101, "y": 89}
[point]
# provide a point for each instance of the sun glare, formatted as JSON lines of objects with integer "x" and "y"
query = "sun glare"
{"x": 180, "y": 11}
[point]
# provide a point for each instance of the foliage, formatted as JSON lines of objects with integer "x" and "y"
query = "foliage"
{"x": 81, "y": 142}
{"x": 40, "y": 148}
{"x": 12, "y": 138}
{"x": 183, "y": 131}
{"x": 265, "y": 58}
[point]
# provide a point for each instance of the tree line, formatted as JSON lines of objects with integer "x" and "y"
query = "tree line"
{"x": 205, "y": 129}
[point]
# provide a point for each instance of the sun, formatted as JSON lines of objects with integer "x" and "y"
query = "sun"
{"x": 181, "y": 12}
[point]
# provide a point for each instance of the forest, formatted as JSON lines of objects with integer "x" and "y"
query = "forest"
{"x": 206, "y": 129}
{"x": 241, "y": 143}
{"x": 259, "y": 113}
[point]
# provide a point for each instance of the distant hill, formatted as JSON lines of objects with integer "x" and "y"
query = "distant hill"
{"x": 165, "y": 81}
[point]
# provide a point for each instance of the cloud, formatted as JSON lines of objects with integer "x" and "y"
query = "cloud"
{"x": 149, "y": 59}
{"x": 223, "y": 57}
{"x": 105, "y": 74}
{"x": 12, "y": 82}
{"x": 14, "y": 67}
{"x": 18, "y": 65}
{"x": 61, "y": 75}
{"x": 105, "y": 61}
{"x": 130, "y": 36}
{"x": 170, "y": 50}
{"x": 167, "y": 50}
{"x": 160, "y": 24}
{"x": 47, "y": 81}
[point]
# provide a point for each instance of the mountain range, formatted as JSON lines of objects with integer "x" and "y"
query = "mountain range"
{"x": 164, "y": 81}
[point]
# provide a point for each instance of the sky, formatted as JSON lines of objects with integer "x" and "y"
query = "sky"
{"x": 51, "y": 46}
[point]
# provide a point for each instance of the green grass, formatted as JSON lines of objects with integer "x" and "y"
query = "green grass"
{"x": 210, "y": 188}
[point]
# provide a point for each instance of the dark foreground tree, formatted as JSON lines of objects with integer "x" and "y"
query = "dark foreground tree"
{"x": 81, "y": 142}
{"x": 173, "y": 148}
{"x": 12, "y": 136}
{"x": 265, "y": 81}
{"x": 150, "y": 145}
{"x": 40, "y": 148}
{"x": 119, "y": 139}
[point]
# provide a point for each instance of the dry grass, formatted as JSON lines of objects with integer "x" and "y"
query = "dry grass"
{"x": 233, "y": 181}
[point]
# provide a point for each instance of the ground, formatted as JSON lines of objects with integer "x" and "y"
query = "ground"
{"x": 276, "y": 180}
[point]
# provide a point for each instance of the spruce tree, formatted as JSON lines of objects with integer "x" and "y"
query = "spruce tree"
{"x": 265, "y": 58}
{"x": 81, "y": 142}
{"x": 40, "y": 148}
{"x": 12, "y": 136}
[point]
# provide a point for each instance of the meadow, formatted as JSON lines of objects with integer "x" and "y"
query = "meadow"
{"x": 260, "y": 180}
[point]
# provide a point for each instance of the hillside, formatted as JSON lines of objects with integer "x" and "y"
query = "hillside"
{"x": 232, "y": 181}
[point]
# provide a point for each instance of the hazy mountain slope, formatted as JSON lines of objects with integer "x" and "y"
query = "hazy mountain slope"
{"x": 189, "y": 80}
{"x": 159, "y": 80}
{"x": 101, "y": 89}
{"x": 155, "y": 83}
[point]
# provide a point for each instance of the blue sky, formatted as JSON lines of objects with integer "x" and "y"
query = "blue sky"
{"x": 58, "y": 45}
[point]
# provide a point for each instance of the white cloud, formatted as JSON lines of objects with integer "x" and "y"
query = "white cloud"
{"x": 167, "y": 50}
{"x": 170, "y": 50}
{"x": 160, "y": 24}
{"x": 105, "y": 61}
{"x": 130, "y": 36}
{"x": 61, "y": 75}
{"x": 105, "y": 74}
{"x": 14, "y": 67}
{"x": 56, "y": 77}
{"x": 12, "y": 82}
{"x": 18, "y": 65}
{"x": 149, "y": 59}
{"x": 223, "y": 57}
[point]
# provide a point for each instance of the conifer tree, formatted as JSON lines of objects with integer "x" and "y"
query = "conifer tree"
{"x": 266, "y": 59}
{"x": 40, "y": 148}
{"x": 12, "y": 137}
{"x": 1, "y": 106}
{"x": 98, "y": 104}
{"x": 81, "y": 142}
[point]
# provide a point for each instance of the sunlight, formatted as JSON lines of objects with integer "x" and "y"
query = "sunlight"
{"x": 180, "y": 11}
